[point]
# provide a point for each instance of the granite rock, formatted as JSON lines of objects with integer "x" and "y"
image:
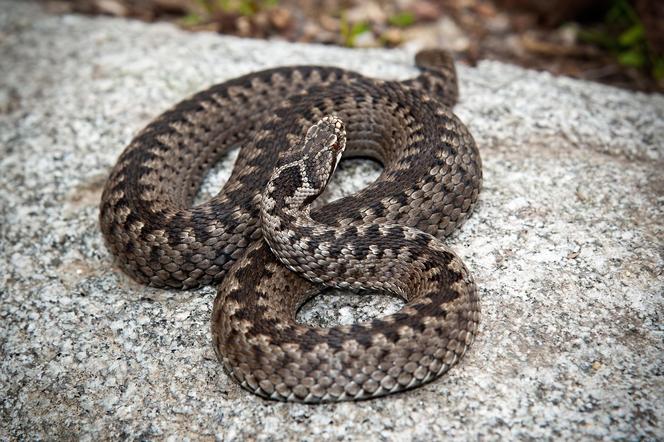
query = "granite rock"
{"x": 566, "y": 245}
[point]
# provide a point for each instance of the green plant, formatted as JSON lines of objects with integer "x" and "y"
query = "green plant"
{"x": 622, "y": 33}
{"x": 242, "y": 7}
{"x": 191, "y": 19}
{"x": 245, "y": 7}
{"x": 204, "y": 11}
{"x": 401, "y": 19}
{"x": 350, "y": 31}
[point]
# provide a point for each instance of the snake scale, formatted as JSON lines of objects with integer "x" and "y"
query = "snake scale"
{"x": 269, "y": 251}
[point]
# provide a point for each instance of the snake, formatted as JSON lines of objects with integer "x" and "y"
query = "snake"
{"x": 269, "y": 246}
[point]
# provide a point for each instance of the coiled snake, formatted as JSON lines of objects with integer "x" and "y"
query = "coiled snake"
{"x": 292, "y": 124}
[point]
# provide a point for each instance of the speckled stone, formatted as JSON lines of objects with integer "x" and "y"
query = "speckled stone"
{"x": 566, "y": 246}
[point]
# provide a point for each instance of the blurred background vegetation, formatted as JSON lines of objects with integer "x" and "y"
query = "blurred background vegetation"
{"x": 619, "y": 42}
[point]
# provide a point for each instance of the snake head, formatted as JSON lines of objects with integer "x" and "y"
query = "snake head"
{"x": 329, "y": 134}
{"x": 322, "y": 147}
{"x": 306, "y": 169}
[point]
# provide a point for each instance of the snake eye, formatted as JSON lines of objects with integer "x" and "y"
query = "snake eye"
{"x": 335, "y": 143}
{"x": 340, "y": 142}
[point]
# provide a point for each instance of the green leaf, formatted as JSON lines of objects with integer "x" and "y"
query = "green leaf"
{"x": 191, "y": 19}
{"x": 634, "y": 58}
{"x": 359, "y": 28}
{"x": 349, "y": 30}
{"x": 246, "y": 8}
{"x": 632, "y": 36}
{"x": 402, "y": 19}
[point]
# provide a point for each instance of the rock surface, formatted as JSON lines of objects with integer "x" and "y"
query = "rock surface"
{"x": 566, "y": 246}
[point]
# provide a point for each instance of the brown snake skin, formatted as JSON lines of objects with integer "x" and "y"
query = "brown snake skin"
{"x": 383, "y": 238}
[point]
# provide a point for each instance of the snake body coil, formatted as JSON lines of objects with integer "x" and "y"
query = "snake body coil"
{"x": 381, "y": 238}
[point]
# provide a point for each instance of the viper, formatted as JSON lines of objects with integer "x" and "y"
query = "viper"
{"x": 269, "y": 251}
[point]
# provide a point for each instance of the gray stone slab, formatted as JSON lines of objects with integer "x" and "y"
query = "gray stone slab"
{"x": 566, "y": 246}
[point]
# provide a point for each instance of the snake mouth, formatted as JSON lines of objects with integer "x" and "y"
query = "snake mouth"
{"x": 338, "y": 148}
{"x": 335, "y": 163}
